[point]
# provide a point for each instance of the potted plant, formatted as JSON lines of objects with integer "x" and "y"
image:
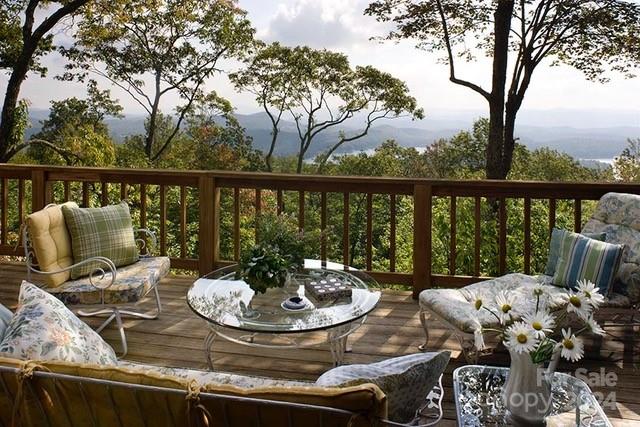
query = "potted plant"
{"x": 280, "y": 251}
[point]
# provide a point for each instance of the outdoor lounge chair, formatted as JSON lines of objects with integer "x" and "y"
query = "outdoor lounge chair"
{"x": 617, "y": 215}
{"x": 106, "y": 290}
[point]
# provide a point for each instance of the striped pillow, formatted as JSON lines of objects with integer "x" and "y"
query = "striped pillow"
{"x": 583, "y": 258}
{"x": 105, "y": 232}
{"x": 554, "y": 247}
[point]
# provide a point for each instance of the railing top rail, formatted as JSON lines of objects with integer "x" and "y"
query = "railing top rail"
{"x": 328, "y": 183}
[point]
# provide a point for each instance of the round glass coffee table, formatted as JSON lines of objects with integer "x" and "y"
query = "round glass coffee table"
{"x": 234, "y": 312}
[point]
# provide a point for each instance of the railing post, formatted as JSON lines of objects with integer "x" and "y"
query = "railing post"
{"x": 209, "y": 227}
{"x": 40, "y": 190}
{"x": 421, "y": 238}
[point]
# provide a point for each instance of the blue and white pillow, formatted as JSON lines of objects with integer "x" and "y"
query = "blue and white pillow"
{"x": 405, "y": 380}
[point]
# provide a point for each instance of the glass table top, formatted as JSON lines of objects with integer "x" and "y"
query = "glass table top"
{"x": 478, "y": 395}
{"x": 222, "y": 299}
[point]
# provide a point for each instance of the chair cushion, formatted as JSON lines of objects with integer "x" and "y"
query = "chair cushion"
{"x": 51, "y": 242}
{"x": 406, "y": 380}
{"x": 5, "y": 318}
{"x": 618, "y": 215}
{"x": 454, "y": 305}
{"x": 554, "y": 248}
{"x": 44, "y": 329}
{"x": 105, "y": 232}
{"x": 581, "y": 258}
{"x": 132, "y": 283}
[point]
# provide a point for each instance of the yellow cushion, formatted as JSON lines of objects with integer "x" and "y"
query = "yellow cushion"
{"x": 51, "y": 242}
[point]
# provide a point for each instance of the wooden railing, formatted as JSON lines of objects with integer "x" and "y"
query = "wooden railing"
{"x": 489, "y": 226}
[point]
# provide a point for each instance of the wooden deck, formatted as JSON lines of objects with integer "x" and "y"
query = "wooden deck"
{"x": 393, "y": 329}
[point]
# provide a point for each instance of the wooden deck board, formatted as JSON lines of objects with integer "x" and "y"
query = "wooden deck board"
{"x": 393, "y": 329}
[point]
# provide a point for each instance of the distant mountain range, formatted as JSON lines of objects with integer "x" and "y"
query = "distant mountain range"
{"x": 597, "y": 142}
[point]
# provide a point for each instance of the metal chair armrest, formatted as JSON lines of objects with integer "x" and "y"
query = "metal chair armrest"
{"x": 146, "y": 248}
{"x": 101, "y": 271}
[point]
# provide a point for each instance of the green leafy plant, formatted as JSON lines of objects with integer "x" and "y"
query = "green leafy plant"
{"x": 281, "y": 250}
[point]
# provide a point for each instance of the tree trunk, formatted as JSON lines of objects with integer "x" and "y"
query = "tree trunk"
{"x": 496, "y": 168}
{"x": 268, "y": 157}
{"x": 7, "y": 119}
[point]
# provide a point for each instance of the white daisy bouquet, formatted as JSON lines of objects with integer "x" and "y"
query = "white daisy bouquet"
{"x": 528, "y": 325}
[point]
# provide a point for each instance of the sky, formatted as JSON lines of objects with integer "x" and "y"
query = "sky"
{"x": 341, "y": 26}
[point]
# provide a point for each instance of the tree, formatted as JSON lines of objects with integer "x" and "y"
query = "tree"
{"x": 593, "y": 36}
{"x": 75, "y": 133}
{"x": 627, "y": 165}
{"x": 23, "y": 42}
{"x": 319, "y": 90}
{"x": 174, "y": 45}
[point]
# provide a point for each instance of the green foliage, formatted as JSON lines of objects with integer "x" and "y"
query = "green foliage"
{"x": 627, "y": 165}
{"x": 282, "y": 232}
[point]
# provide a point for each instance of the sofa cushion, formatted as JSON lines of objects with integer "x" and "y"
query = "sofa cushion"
{"x": 44, "y": 329}
{"x": 581, "y": 258}
{"x": 105, "y": 232}
{"x": 554, "y": 247}
{"x": 5, "y": 318}
{"x": 618, "y": 215}
{"x": 215, "y": 377}
{"x": 132, "y": 283}
{"x": 406, "y": 380}
{"x": 51, "y": 242}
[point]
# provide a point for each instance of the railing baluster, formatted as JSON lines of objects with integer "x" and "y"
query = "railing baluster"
{"x": 85, "y": 194}
{"x": 258, "y": 207}
{"x": 369, "y": 230}
{"x": 577, "y": 215}
{"x": 301, "y": 210}
{"x": 124, "y": 191}
{"x": 392, "y": 233}
{"x": 183, "y": 222}
{"x": 477, "y": 240}
{"x": 5, "y": 207}
{"x": 452, "y": 239}
{"x": 345, "y": 228}
{"x": 502, "y": 237}
{"x": 527, "y": 235}
{"x": 163, "y": 219}
{"x": 143, "y": 206}
{"x": 280, "y": 202}
{"x": 552, "y": 215}
{"x": 104, "y": 192}
{"x": 323, "y": 225}
{"x": 236, "y": 223}
{"x": 20, "y": 202}
{"x": 66, "y": 191}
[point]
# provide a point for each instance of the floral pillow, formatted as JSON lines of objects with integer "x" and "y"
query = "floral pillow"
{"x": 42, "y": 328}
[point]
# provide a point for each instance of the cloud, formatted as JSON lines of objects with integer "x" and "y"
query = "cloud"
{"x": 319, "y": 24}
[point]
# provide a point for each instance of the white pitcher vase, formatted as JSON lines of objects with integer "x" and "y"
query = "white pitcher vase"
{"x": 527, "y": 392}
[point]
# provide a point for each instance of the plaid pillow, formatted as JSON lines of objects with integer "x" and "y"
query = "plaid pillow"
{"x": 583, "y": 258}
{"x": 105, "y": 232}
